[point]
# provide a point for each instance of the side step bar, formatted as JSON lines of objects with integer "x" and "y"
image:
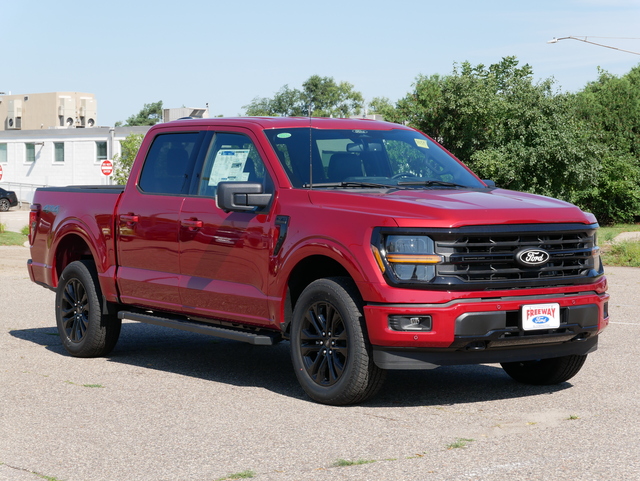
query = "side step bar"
{"x": 201, "y": 328}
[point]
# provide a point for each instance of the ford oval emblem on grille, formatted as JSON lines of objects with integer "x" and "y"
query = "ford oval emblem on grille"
{"x": 532, "y": 257}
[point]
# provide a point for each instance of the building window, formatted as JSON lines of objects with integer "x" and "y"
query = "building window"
{"x": 30, "y": 152}
{"x": 58, "y": 148}
{"x": 101, "y": 151}
{"x": 3, "y": 153}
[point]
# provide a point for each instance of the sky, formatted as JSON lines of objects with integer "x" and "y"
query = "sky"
{"x": 226, "y": 53}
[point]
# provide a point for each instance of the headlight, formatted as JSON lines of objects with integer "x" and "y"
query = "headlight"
{"x": 406, "y": 258}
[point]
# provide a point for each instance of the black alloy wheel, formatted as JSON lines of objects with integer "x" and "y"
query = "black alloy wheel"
{"x": 330, "y": 350}
{"x": 74, "y": 310}
{"x": 84, "y": 328}
{"x": 323, "y": 343}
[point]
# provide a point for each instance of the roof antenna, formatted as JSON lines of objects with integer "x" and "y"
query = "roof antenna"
{"x": 310, "y": 150}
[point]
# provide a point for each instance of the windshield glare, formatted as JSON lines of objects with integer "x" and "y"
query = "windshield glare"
{"x": 386, "y": 157}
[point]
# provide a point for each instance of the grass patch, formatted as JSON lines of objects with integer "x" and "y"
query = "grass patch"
{"x": 41, "y": 476}
{"x": 607, "y": 234}
{"x": 622, "y": 254}
{"x": 340, "y": 463}
{"x": 460, "y": 443}
{"x": 12, "y": 239}
{"x": 85, "y": 385}
{"x": 48, "y": 478}
{"x": 241, "y": 475}
{"x": 573, "y": 417}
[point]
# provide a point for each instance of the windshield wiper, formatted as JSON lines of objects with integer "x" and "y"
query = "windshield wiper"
{"x": 429, "y": 183}
{"x": 370, "y": 185}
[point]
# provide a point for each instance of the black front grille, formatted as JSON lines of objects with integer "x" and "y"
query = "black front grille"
{"x": 489, "y": 257}
{"x": 493, "y": 258}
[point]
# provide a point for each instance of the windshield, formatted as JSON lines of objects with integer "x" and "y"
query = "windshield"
{"x": 367, "y": 158}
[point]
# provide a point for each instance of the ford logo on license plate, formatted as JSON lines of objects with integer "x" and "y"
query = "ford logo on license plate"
{"x": 532, "y": 257}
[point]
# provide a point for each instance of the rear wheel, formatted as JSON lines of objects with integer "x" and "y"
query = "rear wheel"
{"x": 85, "y": 330}
{"x": 545, "y": 371}
{"x": 4, "y": 205}
{"x": 330, "y": 351}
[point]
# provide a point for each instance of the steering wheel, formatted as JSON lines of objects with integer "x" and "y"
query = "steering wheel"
{"x": 402, "y": 175}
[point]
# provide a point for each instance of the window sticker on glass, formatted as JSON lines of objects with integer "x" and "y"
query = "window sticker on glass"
{"x": 228, "y": 166}
{"x": 422, "y": 143}
{"x": 284, "y": 135}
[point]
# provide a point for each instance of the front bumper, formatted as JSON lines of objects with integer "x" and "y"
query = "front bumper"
{"x": 418, "y": 359}
{"x": 471, "y": 331}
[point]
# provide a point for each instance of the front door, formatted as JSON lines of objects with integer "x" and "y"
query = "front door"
{"x": 224, "y": 257}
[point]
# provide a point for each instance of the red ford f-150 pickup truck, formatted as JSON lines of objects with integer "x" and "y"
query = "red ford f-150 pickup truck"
{"x": 365, "y": 244}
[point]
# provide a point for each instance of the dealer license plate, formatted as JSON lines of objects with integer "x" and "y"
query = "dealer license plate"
{"x": 540, "y": 316}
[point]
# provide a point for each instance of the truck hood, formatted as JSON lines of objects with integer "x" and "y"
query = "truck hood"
{"x": 453, "y": 207}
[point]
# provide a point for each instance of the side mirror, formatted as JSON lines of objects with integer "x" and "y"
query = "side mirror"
{"x": 241, "y": 196}
{"x": 489, "y": 183}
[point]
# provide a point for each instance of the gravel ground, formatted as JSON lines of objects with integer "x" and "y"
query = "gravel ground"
{"x": 169, "y": 405}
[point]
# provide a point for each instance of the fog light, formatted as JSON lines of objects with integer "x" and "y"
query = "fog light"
{"x": 410, "y": 323}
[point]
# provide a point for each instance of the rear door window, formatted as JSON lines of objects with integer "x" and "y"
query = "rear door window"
{"x": 169, "y": 164}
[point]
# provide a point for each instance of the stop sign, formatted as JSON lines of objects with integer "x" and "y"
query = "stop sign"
{"x": 106, "y": 167}
{"x": 0, "y": 172}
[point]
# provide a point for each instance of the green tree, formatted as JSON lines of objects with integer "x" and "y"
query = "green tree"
{"x": 319, "y": 97}
{"x": 150, "y": 114}
{"x": 611, "y": 107}
{"x": 382, "y": 106}
{"x": 123, "y": 162}
{"x": 525, "y": 135}
{"x": 326, "y": 98}
{"x": 285, "y": 103}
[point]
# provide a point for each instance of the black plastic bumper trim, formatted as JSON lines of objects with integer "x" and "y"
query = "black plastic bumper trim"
{"x": 394, "y": 358}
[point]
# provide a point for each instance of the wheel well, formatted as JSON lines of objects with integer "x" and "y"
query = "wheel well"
{"x": 71, "y": 248}
{"x": 307, "y": 271}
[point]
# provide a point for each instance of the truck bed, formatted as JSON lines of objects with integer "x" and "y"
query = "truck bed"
{"x": 86, "y": 212}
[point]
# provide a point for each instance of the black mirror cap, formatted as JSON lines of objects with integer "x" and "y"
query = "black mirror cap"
{"x": 489, "y": 183}
{"x": 241, "y": 196}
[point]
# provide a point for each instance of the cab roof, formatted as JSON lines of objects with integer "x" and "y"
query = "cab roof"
{"x": 292, "y": 122}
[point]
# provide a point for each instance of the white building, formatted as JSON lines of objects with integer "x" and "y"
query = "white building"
{"x": 52, "y": 139}
{"x": 58, "y": 157}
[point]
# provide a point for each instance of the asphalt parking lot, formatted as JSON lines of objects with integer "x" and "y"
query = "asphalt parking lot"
{"x": 168, "y": 405}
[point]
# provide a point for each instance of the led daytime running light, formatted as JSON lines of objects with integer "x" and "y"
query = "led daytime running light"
{"x": 414, "y": 258}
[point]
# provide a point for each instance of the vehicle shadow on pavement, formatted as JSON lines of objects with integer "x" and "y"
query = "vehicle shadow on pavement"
{"x": 270, "y": 368}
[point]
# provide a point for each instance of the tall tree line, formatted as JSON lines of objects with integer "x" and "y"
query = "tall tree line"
{"x": 526, "y": 135}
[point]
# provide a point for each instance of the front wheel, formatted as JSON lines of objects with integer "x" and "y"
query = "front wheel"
{"x": 85, "y": 330}
{"x": 331, "y": 354}
{"x": 545, "y": 371}
{"x": 4, "y": 205}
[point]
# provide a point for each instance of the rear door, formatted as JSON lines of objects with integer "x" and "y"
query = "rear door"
{"x": 224, "y": 257}
{"x": 149, "y": 222}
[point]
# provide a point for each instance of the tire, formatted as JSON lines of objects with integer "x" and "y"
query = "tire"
{"x": 330, "y": 351}
{"x": 84, "y": 329}
{"x": 545, "y": 371}
{"x": 4, "y": 205}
